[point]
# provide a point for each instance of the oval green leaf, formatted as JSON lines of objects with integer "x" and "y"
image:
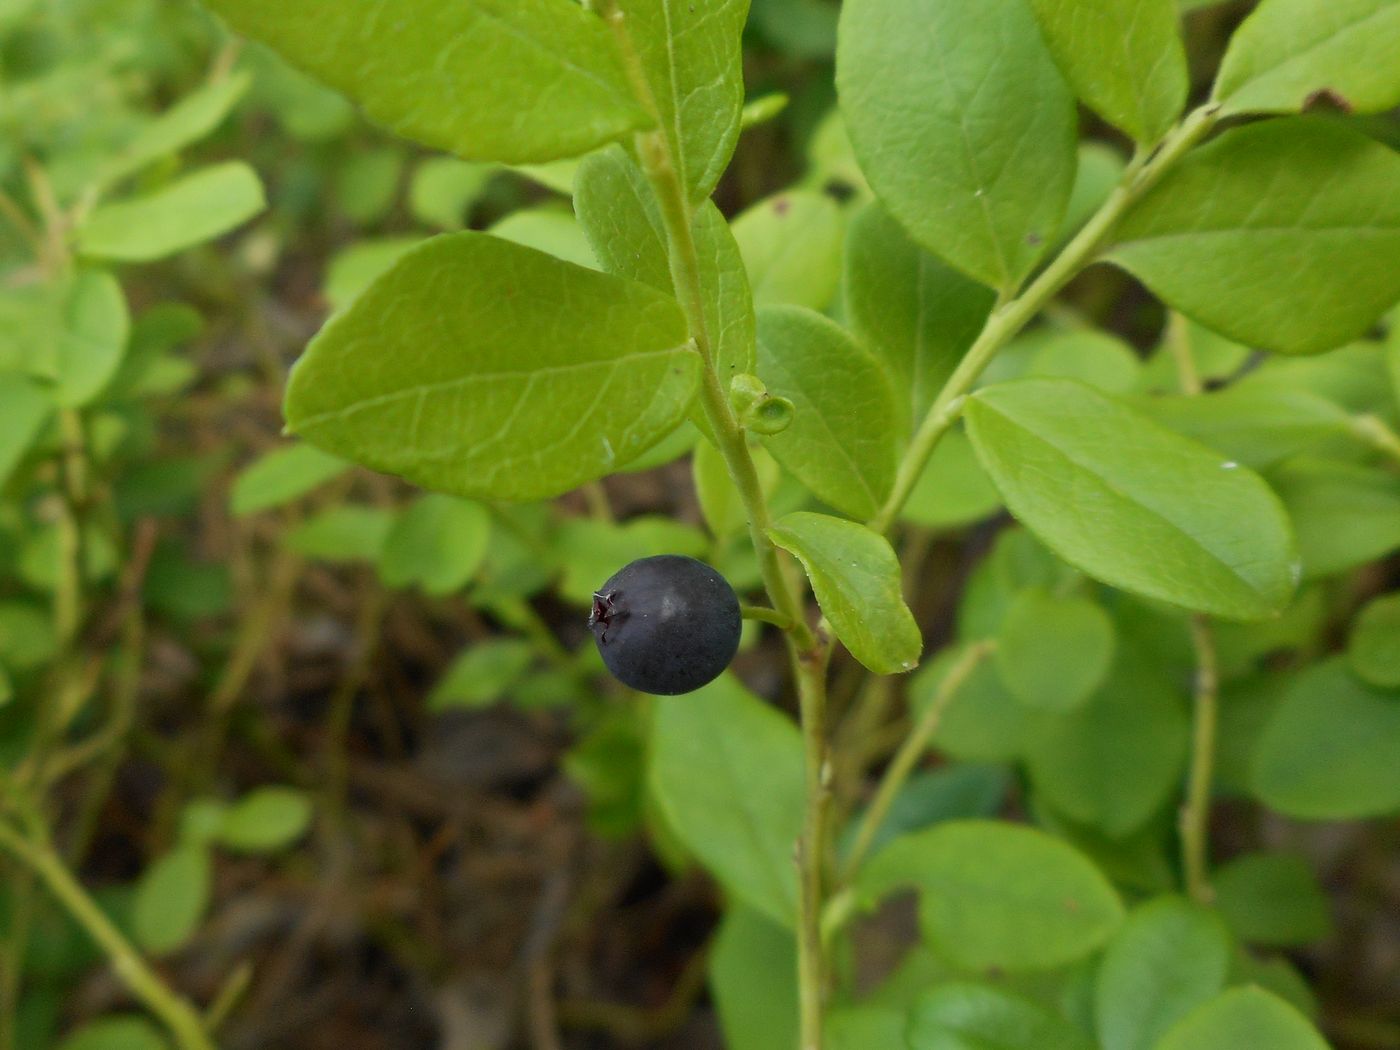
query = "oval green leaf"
{"x": 842, "y": 442}
{"x": 962, "y": 1016}
{"x": 509, "y": 80}
{"x": 855, "y": 576}
{"x": 437, "y": 544}
{"x": 264, "y": 820}
{"x": 1152, "y": 512}
{"x": 1054, "y": 650}
{"x": 484, "y": 368}
{"x": 1283, "y": 234}
{"x": 1243, "y": 1017}
{"x": 995, "y": 894}
{"x": 963, "y": 126}
{"x": 1374, "y": 645}
{"x": 171, "y": 896}
{"x": 283, "y": 475}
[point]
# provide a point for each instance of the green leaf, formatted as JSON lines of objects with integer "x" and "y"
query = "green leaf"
{"x": 1272, "y": 898}
{"x": 719, "y": 499}
{"x": 1118, "y": 758}
{"x": 753, "y": 978}
{"x": 622, "y": 221}
{"x": 191, "y": 210}
{"x": 283, "y": 475}
{"x": 443, "y": 189}
{"x": 481, "y": 674}
{"x": 726, "y": 769}
{"x": 171, "y": 897}
{"x": 984, "y": 723}
{"x": 1329, "y": 751}
{"x": 25, "y": 408}
{"x": 547, "y": 230}
{"x": 116, "y": 1033}
{"x": 952, "y": 792}
{"x": 27, "y": 639}
{"x": 1124, "y": 58}
{"x": 911, "y": 309}
{"x": 1094, "y": 358}
{"x": 480, "y": 367}
{"x": 1243, "y": 1017}
{"x": 999, "y": 895}
{"x": 864, "y": 1027}
{"x": 366, "y": 184}
{"x": 1374, "y": 645}
{"x": 953, "y": 490}
{"x": 964, "y": 127}
{"x": 1344, "y": 515}
{"x": 188, "y": 121}
{"x": 1284, "y": 234}
{"x": 265, "y": 820}
{"x": 343, "y": 533}
{"x": 95, "y": 329}
{"x": 1253, "y": 425}
{"x": 509, "y": 80}
{"x": 437, "y": 544}
{"x": 965, "y": 1016}
{"x": 842, "y": 443}
{"x": 1152, "y": 512}
{"x": 357, "y": 267}
{"x": 1287, "y": 51}
{"x": 691, "y": 57}
{"x": 855, "y": 576}
{"x": 1169, "y": 958}
{"x": 791, "y": 247}
{"x": 1054, "y": 650}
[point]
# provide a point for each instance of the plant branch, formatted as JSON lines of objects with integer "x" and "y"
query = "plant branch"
{"x": 1373, "y": 430}
{"x": 1195, "y": 813}
{"x": 1008, "y": 318}
{"x": 178, "y": 1015}
{"x": 909, "y": 753}
{"x": 765, "y": 615}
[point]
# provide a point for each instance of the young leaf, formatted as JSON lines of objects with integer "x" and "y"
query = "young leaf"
{"x": 1283, "y": 234}
{"x": 1374, "y": 645}
{"x": 998, "y": 894}
{"x": 916, "y": 313}
{"x": 189, "y": 211}
{"x": 1115, "y": 760}
{"x": 94, "y": 336}
{"x": 791, "y": 247}
{"x": 1169, "y": 958}
{"x": 188, "y": 121}
{"x": 1272, "y": 898}
{"x": 25, "y": 407}
{"x": 481, "y": 674}
{"x": 1242, "y": 1017}
{"x": 963, "y": 126}
{"x": 1344, "y": 514}
{"x": 622, "y": 221}
{"x": 1124, "y": 58}
{"x": 753, "y": 978}
{"x": 283, "y": 475}
{"x": 265, "y": 820}
{"x": 842, "y": 443}
{"x": 855, "y": 576}
{"x": 343, "y": 533}
{"x": 509, "y": 80}
{"x": 1331, "y": 748}
{"x": 171, "y": 897}
{"x": 1287, "y": 53}
{"x": 726, "y": 769}
{"x": 964, "y": 1016}
{"x": 1152, "y": 511}
{"x": 1054, "y": 651}
{"x": 480, "y": 367}
{"x": 437, "y": 544}
{"x": 691, "y": 57}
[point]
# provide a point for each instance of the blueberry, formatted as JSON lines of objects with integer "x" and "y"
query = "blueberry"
{"x": 666, "y": 625}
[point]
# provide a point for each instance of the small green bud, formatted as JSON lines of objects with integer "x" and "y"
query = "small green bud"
{"x": 772, "y": 415}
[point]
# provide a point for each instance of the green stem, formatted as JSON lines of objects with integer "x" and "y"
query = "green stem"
{"x": 909, "y": 753}
{"x": 1195, "y": 813}
{"x": 1373, "y": 430}
{"x": 765, "y": 615}
{"x": 178, "y": 1015}
{"x": 808, "y": 651}
{"x": 1009, "y": 317}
